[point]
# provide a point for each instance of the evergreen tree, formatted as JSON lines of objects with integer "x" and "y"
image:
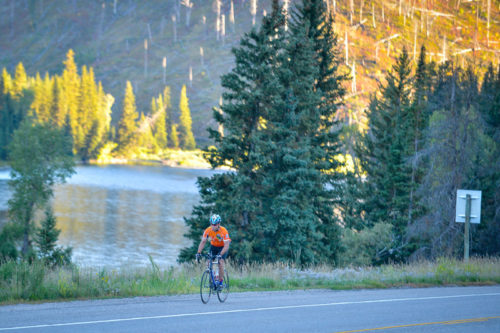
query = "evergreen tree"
{"x": 46, "y": 240}
{"x": 159, "y": 115}
{"x": 20, "y": 81}
{"x": 384, "y": 151}
{"x": 145, "y": 138}
{"x": 71, "y": 84}
{"x": 488, "y": 234}
{"x": 40, "y": 156}
{"x": 59, "y": 108}
{"x": 186, "y": 137}
{"x": 127, "y": 126}
{"x": 235, "y": 195}
{"x": 455, "y": 143}
{"x": 277, "y": 204}
{"x": 418, "y": 119}
{"x": 169, "y": 119}
{"x": 174, "y": 137}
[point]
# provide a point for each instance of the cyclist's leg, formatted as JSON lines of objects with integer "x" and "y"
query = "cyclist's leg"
{"x": 221, "y": 266}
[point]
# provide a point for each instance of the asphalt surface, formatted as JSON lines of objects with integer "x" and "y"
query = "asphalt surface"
{"x": 451, "y": 309}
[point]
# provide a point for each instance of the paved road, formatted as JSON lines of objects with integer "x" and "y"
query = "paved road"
{"x": 456, "y": 309}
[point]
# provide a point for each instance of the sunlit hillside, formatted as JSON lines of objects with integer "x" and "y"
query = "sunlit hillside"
{"x": 133, "y": 40}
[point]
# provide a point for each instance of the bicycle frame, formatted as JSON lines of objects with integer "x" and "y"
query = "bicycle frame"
{"x": 210, "y": 264}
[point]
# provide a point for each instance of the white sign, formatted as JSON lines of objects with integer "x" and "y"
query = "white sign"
{"x": 475, "y": 206}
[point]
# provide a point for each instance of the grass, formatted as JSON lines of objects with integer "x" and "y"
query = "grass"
{"x": 22, "y": 282}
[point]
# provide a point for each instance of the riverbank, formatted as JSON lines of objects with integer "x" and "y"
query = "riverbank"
{"x": 20, "y": 282}
{"x": 193, "y": 159}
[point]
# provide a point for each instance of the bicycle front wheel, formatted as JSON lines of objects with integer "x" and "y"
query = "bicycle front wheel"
{"x": 205, "y": 287}
{"x": 223, "y": 291}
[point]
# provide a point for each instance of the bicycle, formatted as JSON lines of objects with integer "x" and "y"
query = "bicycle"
{"x": 209, "y": 284}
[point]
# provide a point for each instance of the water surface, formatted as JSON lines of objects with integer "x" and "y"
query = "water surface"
{"x": 119, "y": 215}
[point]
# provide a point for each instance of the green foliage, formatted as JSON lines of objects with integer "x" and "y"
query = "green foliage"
{"x": 127, "y": 126}
{"x": 278, "y": 205}
{"x": 46, "y": 238}
{"x": 368, "y": 246}
{"x": 10, "y": 235}
{"x": 40, "y": 156}
{"x": 186, "y": 138}
{"x": 384, "y": 152}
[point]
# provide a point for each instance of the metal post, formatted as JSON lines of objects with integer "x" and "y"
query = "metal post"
{"x": 467, "y": 222}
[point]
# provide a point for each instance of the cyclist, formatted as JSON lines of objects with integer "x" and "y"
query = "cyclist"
{"x": 219, "y": 243}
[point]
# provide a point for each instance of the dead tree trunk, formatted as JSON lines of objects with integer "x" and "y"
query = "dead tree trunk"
{"x": 164, "y": 65}
{"x": 374, "y": 22}
{"x": 174, "y": 22}
{"x": 231, "y": 16}
{"x": 253, "y": 10}
{"x": 145, "y": 58}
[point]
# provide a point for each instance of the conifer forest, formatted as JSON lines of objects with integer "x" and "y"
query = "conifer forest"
{"x": 346, "y": 126}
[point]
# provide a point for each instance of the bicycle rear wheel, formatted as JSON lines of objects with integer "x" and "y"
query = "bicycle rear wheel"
{"x": 205, "y": 287}
{"x": 224, "y": 292}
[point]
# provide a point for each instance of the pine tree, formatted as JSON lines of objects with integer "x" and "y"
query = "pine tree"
{"x": 145, "y": 138}
{"x": 384, "y": 151}
{"x": 235, "y": 195}
{"x": 455, "y": 148}
{"x": 174, "y": 137}
{"x": 159, "y": 115}
{"x": 488, "y": 237}
{"x": 276, "y": 205}
{"x": 71, "y": 84}
{"x": 20, "y": 81}
{"x": 46, "y": 240}
{"x": 59, "y": 107}
{"x": 127, "y": 126}
{"x": 186, "y": 137}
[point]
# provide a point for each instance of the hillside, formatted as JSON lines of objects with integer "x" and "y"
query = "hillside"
{"x": 111, "y": 36}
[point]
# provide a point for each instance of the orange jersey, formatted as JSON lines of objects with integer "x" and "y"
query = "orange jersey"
{"x": 217, "y": 238}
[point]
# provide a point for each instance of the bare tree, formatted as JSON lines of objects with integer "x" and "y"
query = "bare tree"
{"x": 286, "y": 4}
{"x": 231, "y": 16}
{"x": 164, "y": 65}
{"x": 12, "y": 16}
{"x": 190, "y": 76}
{"x": 149, "y": 34}
{"x": 223, "y": 28}
{"x": 189, "y": 6}
{"x": 362, "y": 3}
{"x": 415, "y": 42}
{"x": 218, "y": 18}
{"x": 174, "y": 22}
{"x": 353, "y": 87}
{"x": 145, "y": 58}
{"x": 253, "y": 10}
{"x": 351, "y": 11}
{"x": 374, "y": 22}
{"x": 488, "y": 24}
{"x": 443, "y": 57}
{"x": 346, "y": 46}
{"x": 204, "y": 21}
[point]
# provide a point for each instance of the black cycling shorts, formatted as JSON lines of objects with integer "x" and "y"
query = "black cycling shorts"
{"x": 215, "y": 250}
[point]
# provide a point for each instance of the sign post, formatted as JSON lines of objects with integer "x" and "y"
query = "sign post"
{"x": 467, "y": 224}
{"x": 468, "y": 210}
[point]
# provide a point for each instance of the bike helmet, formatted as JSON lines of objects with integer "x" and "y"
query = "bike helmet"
{"x": 214, "y": 219}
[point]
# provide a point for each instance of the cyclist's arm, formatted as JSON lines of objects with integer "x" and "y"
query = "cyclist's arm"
{"x": 225, "y": 248}
{"x": 202, "y": 244}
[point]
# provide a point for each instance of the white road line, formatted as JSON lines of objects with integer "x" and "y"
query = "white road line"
{"x": 246, "y": 310}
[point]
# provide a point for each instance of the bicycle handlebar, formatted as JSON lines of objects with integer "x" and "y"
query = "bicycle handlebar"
{"x": 206, "y": 256}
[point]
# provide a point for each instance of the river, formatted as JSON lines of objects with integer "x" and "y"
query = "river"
{"x": 116, "y": 216}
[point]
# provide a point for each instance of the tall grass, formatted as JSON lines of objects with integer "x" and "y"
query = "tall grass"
{"x": 20, "y": 281}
